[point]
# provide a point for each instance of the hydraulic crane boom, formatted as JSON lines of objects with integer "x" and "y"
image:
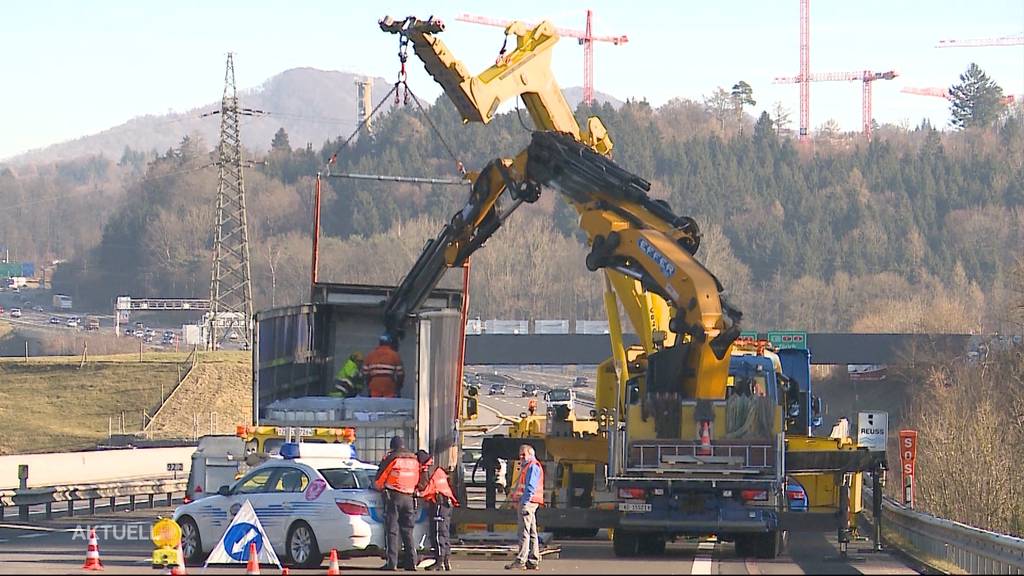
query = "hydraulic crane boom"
{"x": 645, "y": 250}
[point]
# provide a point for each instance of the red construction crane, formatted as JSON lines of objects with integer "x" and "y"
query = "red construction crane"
{"x": 866, "y": 77}
{"x": 944, "y": 93}
{"x": 977, "y": 42}
{"x": 585, "y": 37}
{"x": 805, "y": 68}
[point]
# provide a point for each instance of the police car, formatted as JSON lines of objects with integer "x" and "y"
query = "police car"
{"x": 308, "y": 502}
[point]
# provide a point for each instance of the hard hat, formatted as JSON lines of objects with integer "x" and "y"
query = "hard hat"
{"x": 386, "y": 339}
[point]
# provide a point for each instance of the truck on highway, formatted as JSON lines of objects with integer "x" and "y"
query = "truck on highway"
{"x": 61, "y": 303}
{"x": 299, "y": 349}
{"x": 297, "y": 352}
{"x": 730, "y": 482}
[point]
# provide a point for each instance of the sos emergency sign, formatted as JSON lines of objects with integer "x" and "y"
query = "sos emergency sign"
{"x": 908, "y": 455}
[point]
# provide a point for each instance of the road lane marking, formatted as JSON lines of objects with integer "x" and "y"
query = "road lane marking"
{"x": 702, "y": 562}
{"x": 28, "y": 527}
{"x": 32, "y": 535}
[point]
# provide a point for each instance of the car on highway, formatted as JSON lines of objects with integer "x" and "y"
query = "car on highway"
{"x": 71, "y": 322}
{"x": 55, "y": 320}
{"x": 497, "y": 389}
{"x": 128, "y": 331}
{"x": 309, "y": 501}
{"x": 796, "y": 496}
{"x": 15, "y": 312}
{"x": 580, "y": 382}
{"x": 529, "y": 389}
{"x": 38, "y": 308}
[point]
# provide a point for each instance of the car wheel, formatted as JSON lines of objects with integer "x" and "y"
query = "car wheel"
{"x": 303, "y": 550}
{"x": 191, "y": 542}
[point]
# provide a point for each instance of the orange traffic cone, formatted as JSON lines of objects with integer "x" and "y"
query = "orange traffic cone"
{"x": 332, "y": 568}
{"x": 253, "y": 567}
{"x": 705, "y": 439}
{"x": 179, "y": 569}
{"x": 284, "y": 571}
{"x": 92, "y": 553}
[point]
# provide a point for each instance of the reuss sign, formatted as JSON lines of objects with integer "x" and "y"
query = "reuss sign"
{"x": 873, "y": 430}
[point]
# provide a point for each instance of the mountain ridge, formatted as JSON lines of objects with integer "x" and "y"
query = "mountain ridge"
{"x": 312, "y": 106}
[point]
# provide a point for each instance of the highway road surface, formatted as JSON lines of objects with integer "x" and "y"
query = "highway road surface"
{"x": 58, "y": 547}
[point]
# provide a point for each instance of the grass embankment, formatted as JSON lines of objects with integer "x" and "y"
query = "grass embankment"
{"x": 215, "y": 398}
{"x": 56, "y": 403}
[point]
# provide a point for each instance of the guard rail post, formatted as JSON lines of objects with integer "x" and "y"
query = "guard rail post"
{"x": 92, "y": 506}
{"x": 49, "y": 510}
{"x": 151, "y": 500}
{"x": 71, "y": 508}
{"x": 113, "y": 503}
{"x": 23, "y": 485}
{"x": 876, "y": 505}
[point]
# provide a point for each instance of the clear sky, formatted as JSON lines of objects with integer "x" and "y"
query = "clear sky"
{"x": 72, "y": 68}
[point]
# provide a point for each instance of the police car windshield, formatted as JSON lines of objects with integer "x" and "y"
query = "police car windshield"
{"x": 347, "y": 478}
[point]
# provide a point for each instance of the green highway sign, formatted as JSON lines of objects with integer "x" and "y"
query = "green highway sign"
{"x": 788, "y": 339}
{"x": 749, "y": 334}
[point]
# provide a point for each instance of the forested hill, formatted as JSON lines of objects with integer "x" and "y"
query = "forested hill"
{"x": 917, "y": 230}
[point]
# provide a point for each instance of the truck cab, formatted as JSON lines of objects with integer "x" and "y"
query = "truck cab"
{"x": 561, "y": 402}
{"x": 675, "y": 477}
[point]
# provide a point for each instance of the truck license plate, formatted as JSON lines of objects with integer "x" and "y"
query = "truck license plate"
{"x": 634, "y": 507}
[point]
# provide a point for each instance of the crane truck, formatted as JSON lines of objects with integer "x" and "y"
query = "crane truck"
{"x": 690, "y": 439}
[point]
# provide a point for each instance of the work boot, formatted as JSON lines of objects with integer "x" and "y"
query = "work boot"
{"x": 515, "y": 565}
{"x": 532, "y": 566}
{"x": 448, "y": 564}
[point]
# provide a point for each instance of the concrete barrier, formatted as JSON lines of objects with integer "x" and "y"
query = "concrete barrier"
{"x": 96, "y": 466}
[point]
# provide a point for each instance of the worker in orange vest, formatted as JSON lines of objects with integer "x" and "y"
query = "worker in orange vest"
{"x": 397, "y": 477}
{"x": 383, "y": 368}
{"x": 437, "y": 490}
{"x": 527, "y": 497}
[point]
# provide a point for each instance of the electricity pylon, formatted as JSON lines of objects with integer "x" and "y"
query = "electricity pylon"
{"x": 231, "y": 283}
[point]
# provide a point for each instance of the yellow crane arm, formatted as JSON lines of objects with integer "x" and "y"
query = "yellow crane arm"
{"x": 524, "y": 72}
{"x": 645, "y": 249}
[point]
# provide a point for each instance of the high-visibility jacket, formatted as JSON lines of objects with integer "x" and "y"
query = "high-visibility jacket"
{"x": 400, "y": 474}
{"x": 349, "y": 380}
{"x": 439, "y": 485}
{"x": 538, "y": 488}
{"x": 384, "y": 372}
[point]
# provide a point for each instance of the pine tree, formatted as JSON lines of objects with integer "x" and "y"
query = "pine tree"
{"x": 976, "y": 101}
{"x": 280, "y": 141}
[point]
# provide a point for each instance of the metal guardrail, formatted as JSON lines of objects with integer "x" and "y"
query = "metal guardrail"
{"x": 973, "y": 550}
{"x": 25, "y": 499}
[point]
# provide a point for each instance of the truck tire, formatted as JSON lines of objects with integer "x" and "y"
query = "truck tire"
{"x": 653, "y": 546}
{"x": 769, "y": 545}
{"x": 744, "y": 546}
{"x": 625, "y": 544}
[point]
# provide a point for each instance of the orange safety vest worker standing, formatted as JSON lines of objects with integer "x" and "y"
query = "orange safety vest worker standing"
{"x": 437, "y": 491}
{"x": 527, "y": 497}
{"x": 397, "y": 477}
{"x": 383, "y": 368}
